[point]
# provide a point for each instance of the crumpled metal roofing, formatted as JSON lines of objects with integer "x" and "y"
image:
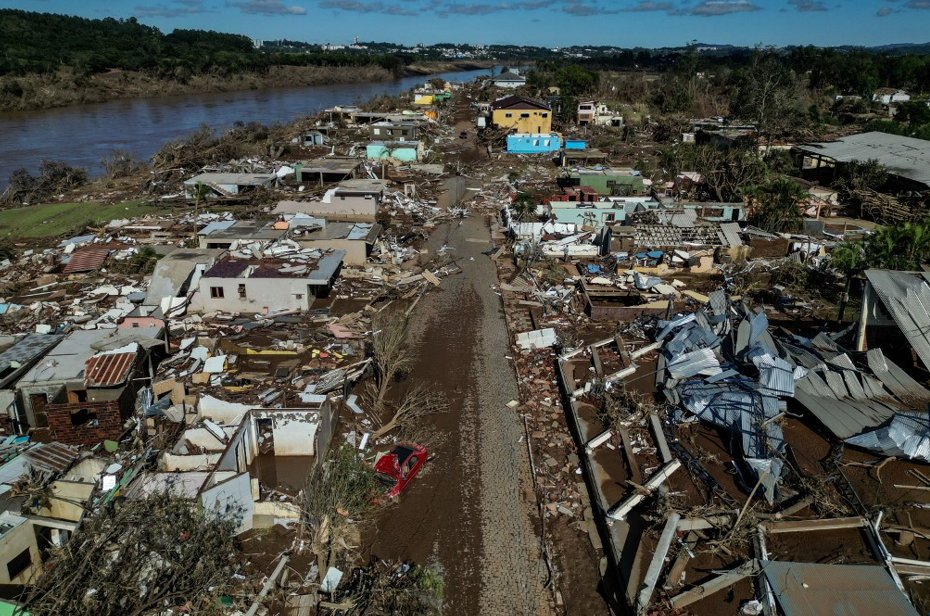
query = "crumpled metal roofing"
{"x": 809, "y": 589}
{"x": 86, "y": 260}
{"x": 111, "y": 368}
{"x": 845, "y": 398}
{"x": 907, "y": 435}
{"x": 906, "y": 297}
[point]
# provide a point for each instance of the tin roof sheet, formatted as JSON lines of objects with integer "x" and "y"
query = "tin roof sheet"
{"x": 906, "y": 436}
{"x": 110, "y": 369}
{"x": 808, "y": 589}
{"x": 906, "y": 297}
{"x": 903, "y": 156}
{"x": 86, "y": 260}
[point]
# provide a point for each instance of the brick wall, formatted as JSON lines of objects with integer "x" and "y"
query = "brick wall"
{"x": 108, "y": 424}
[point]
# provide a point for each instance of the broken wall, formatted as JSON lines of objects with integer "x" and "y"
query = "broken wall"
{"x": 295, "y": 432}
{"x": 233, "y": 497}
{"x": 86, "y": 423}
{"x": 67, "y": 499}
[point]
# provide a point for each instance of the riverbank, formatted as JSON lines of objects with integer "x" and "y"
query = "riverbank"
{"x": 64, "y": 87}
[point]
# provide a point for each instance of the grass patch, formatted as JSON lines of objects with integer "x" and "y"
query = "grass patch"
{"x": 57, "y": 218}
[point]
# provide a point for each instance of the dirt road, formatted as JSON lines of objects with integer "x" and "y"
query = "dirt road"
{"x": 470, "y": 511}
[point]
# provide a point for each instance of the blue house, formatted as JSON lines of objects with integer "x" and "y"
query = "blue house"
{"x": 533, "y": 143}
{"x": 575, "y": 144}
{"x": 395, "y": 151}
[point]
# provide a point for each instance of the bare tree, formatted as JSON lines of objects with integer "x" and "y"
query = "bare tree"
{"x": 148, "y": 555}
{"x": 392, "y": 353}
{"x": 417, "y": 403}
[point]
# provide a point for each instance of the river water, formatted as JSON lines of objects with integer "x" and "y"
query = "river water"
{"x": 81, "y": 135}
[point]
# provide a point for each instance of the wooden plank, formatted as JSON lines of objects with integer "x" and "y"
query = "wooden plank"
{"x": 619, "y": 511}
{"x": 596, "y": 360}
{"x": 794, "y": 526}
{"x": 724, "y": 580}
{"x": 681, "y": 561}
{"x": 431, "y": 277}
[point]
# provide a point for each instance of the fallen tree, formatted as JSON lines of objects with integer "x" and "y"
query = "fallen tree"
{"x": 143, "y": 557}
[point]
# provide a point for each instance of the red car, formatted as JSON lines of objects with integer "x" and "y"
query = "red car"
{"x": 397, "y": 468}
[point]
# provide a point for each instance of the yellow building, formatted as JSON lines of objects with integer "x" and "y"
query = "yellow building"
{"x": 522, "y": 115}
{"x": 424, "y": 99}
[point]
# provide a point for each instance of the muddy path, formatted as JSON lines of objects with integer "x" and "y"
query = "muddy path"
{"x": 470, "y": 512}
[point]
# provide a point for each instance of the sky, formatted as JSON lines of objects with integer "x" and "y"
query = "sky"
{"x": 546, "y": 23}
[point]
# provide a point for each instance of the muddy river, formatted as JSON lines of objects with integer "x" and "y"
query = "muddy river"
{"x": 82, "y": 134}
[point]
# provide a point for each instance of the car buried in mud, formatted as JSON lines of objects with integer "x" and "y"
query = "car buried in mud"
{"x": 397, "y": 468}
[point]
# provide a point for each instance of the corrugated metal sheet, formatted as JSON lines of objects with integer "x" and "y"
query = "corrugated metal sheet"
{"x": 108, "y": 369}
{"x": 896, "y": 380}
{"x": 807, "y": 589}
{"x": 906, "y": 298}
{"x": 844, "y": 418}
{"x": 906, "y": 436}
{"x": 86, "y": 260}
{"x": 700, "y": 361}
{"x": 51, "y": 457}
{"x": 731, "y": 233}
{"x": 903, "y": 156}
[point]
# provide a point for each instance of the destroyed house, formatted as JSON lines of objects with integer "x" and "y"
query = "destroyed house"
{"x": 356, "y": 239}
{"x": 581, "y": 158}
{"x": 343, "y": 204}
{"x": 176, "y": 277}
{"x": 228, "y": 184}
{"x": 720, "y": 366}
{"x": 85, "y": 388}
{"x": 329, "y": 169}
{"x": 240, "y": 455}
{"x": 606, "y": 181}
{"x": 395, "y": 151}
{"x": 267, "y": 285}
{"x": 894, "y": 315}
{"x": 229, "y": 235}
{"x": 394, "y": 131}
{"x": 25, "y": 353}
{"x": 30, "y": 527}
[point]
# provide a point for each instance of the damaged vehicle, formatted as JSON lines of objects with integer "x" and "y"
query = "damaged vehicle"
{"x": 397, "y": 468}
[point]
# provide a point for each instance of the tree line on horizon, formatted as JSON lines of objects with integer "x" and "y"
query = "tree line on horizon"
{"x": 44, "y": 42}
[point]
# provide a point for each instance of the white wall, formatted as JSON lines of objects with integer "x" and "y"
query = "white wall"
{"x": 295, "y": 433}
{"x": 13, "y": 543}
{"x": 233, "y": 494}
{"x": 201, "y": 462}
{"x": 222, "y": 412}
{"x": 261, "y": 294}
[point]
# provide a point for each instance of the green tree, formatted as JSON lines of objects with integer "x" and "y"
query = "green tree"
{"x": 524, "y": 207}
{"x": 903, "y": 246}
{"x": 850, "y": 259}
{"x": 775, "y": 206}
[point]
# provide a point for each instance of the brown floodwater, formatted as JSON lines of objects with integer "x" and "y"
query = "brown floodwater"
{"x": 82, "y": 134}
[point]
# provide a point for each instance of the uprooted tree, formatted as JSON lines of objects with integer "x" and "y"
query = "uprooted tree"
{"x": 416, "y": 404}
{"x": 144, "y": 557}
{"x": 391, "y": 351}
